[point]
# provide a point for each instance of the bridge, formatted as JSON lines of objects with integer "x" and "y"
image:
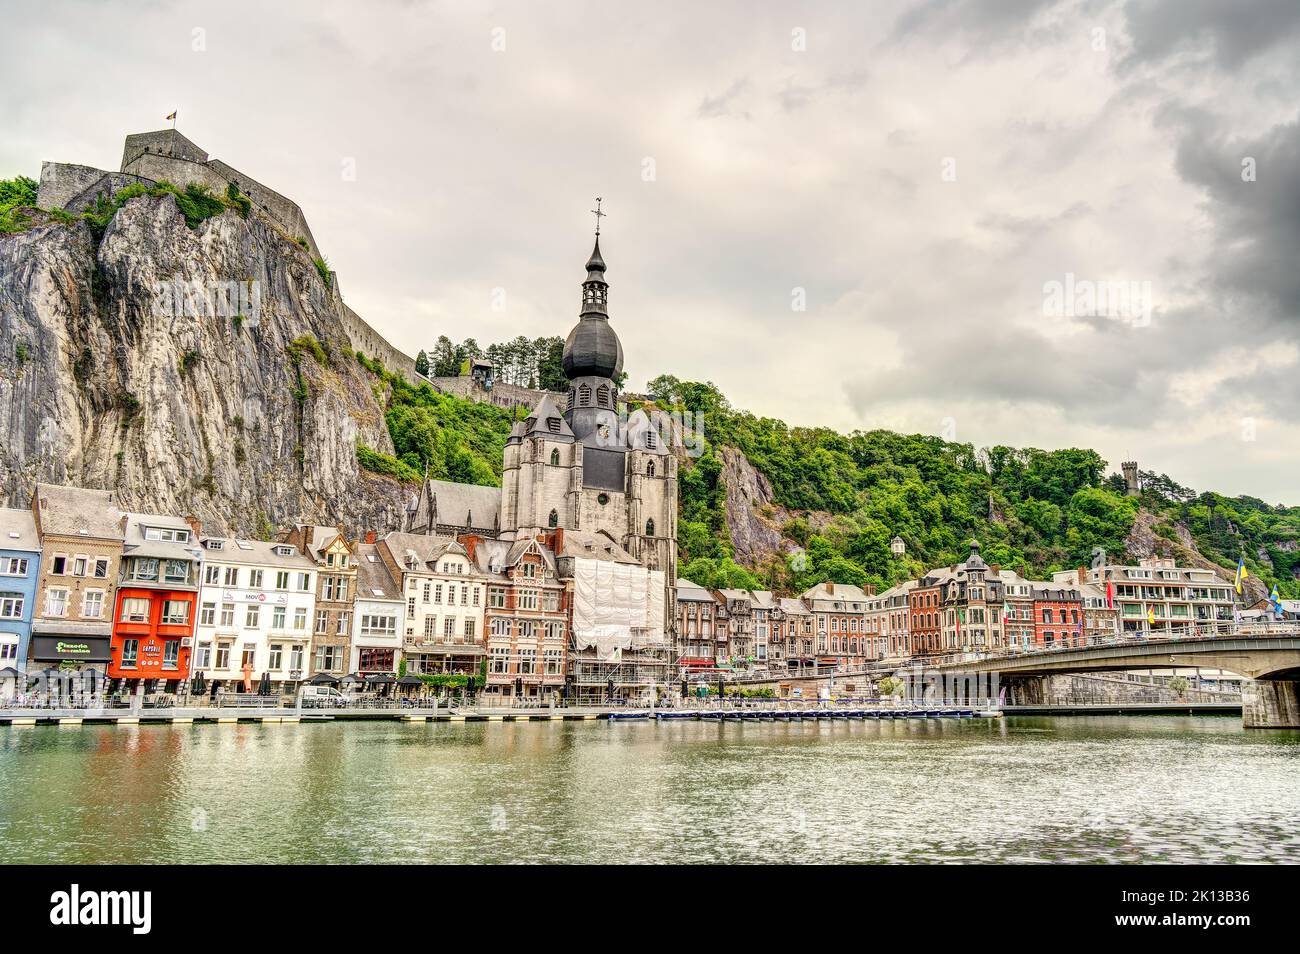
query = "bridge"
{"x": 1268, "y": 658}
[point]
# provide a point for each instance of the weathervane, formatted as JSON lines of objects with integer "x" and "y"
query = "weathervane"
{"x": 598, "y": 214}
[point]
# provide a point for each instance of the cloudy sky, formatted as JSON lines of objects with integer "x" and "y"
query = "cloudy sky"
{"x": 849, "y": 217}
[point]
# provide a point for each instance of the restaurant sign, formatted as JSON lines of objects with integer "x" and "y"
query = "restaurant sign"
{"x": 75, "y": 648}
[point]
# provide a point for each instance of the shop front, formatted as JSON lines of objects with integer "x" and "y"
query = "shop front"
{"x": 69, "y": 665}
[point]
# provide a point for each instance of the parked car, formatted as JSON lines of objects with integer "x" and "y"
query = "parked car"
{"x": 321, "y": 697}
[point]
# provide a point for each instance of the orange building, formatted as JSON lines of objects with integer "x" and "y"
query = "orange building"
{"x": 153, "y": 614}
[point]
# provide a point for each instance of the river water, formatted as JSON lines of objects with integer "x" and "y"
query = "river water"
{"x": 1080, "y": 789}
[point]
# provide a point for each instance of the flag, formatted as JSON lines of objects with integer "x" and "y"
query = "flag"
{"x": 1006, "y": 612}
{"x": 1151, "y": 615}
{"x": 172, "y": 114}
{"x": 961, "y": 618}
{"x": 1110, "y": 594}
{"x": 1276, "y": 600}
{"x": 1242, "y": 572}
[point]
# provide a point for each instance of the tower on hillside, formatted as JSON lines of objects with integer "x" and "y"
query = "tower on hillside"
{"x": 1131, "y": 485}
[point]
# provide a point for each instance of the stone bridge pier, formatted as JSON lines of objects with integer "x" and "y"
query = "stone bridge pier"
{"x": 1271, "y": 703}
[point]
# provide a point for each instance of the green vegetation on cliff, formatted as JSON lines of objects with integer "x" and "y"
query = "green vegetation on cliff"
{"x": 843, "y": 497}
{"x": 456, "y": 440}
{"x": 846, "y": 496}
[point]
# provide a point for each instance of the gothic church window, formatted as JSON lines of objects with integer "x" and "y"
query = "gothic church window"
{"x": 553, "y": 520}
{"x": 650, "y": 469}
{"x": 555, "y": 457}
{"x": 650, "y": 528}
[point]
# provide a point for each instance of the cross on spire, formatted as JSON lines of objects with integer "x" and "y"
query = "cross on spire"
{"x": 598, "y": 214}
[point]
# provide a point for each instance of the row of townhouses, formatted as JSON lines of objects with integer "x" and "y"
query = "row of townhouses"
{"x": 962, "y": 608}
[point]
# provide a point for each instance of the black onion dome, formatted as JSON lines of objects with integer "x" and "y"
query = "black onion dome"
{"x": 592, "y": 350}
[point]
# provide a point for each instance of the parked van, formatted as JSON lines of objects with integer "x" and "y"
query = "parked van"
{"x": 321, "y": 697}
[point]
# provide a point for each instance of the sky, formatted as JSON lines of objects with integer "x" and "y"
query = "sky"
{"x": 1031, "y": 223}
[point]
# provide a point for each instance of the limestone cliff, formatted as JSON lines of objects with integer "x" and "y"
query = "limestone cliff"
{"x": 107, "y": 381}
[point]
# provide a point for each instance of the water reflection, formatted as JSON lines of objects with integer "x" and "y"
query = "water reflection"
{"x": 1172, "y": 789}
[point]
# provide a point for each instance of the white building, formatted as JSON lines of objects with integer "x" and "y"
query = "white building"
{"x": 379, "y": 615}
{"x": 255, "y": 610}
{"x": 445, "y": 598}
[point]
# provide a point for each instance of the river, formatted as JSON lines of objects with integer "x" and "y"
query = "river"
{"x": 1080, "y": 789}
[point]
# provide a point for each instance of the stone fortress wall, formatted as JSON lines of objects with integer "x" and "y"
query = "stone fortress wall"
{"x": 502, "y": 395}
{"x": 150, "y": 157}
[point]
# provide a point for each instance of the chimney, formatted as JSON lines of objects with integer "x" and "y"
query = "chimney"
{"x": 995, "y": 567}
{"x": 1082, "y": 574}
{"x": 470, "y": 542}
{"x": 830, "y": 587}
{"x": 195, "y": 525}
{"x": 307, "y": 533}
{"x": 370, "y": 536}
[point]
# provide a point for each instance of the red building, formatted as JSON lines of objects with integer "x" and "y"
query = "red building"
{"x": 925, "y": 627}
{"x": 1058, "y": 616}
{"x": 154, "y": 609}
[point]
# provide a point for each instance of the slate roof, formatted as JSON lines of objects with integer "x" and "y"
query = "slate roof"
{"x": 18, "y": 530}
{"x": 255, "y": 553}
{"x": 374, "y": 580}
{"x": 77, "y": 511}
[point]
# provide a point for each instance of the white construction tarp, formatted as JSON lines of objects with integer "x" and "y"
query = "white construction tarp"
{"x": 616, "y": 606}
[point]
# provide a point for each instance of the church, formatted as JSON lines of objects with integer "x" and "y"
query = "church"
{"x": 598, "y": 487}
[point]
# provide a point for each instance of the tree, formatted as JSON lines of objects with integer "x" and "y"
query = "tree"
{"x": 422, "y": 364}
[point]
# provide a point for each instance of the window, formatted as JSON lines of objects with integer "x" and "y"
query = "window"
{"x": 176, "y": 612}
{"x": 552, "y": 658}
{"x": 11, "y": 605}
{"x": 208, "y": 614}
{"x": 251, "y": 615}
{"x": 551, "y": 601}
{"x": 496, "y": 597}
{"x": 376, "y": 625}
{"x": 437, "y": 593}
{"x": 329, "y": 657}
{"x": 476, "y": 597}
{"x": 249, "y": 656}
{"x": 144, "y": 568}
{"x": 345, "y": 622}
{"x": 211, "y": 574}
{"x": 554, "y": 630}
{"x": 469, "y": 629}
{"x": 255, "y": 579}
{"x": 335, "y": 588}
{"x": 322, "y": 621}
{"x": 277, "y": 617}
{"x": 527, "y": 660}
{"x": 295, "y": 659}
{"x": 304, "y": 582}
{"x": 500, "y": 626}
{"x": 376, "y": 660}
{"x": 449, "y": 627}
{"x": 500, "y": 659}
{"x": 276, "y": 657}
{"x": 555, "y": 457}
{"x": 427, "y": 591}
{"x": 79, "y": 566}
{"x": 13, "y": 566}
{"x": 130, "y": 652}
{"x": 553, "y": 520}
{"x": 231, "y": 576}
{"x": 300, "y": 620}
{"x": 223, "y": 655}
{"x": 101, "y": 568}
{"x": 281, "y": 579}
{"x": 167, "y": 534}
{"x": 203, "y": 656}
{"x": 176, "y": 571}
{"x": 171, "y": 653}
{"x": 135, "y": 610}
{"x": 528, "y": 599}
{"x": 650, "y": 528}
{"x": 227, "y": 615}
{"x": 92, "y": 604}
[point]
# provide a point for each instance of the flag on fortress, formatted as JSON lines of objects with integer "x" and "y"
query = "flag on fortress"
{"x": 172, "y": 114}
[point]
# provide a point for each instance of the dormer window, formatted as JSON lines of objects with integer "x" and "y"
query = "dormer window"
{"x": 283, "y": 551}
{"x": 214, "y": 544}
{"x": 553, "y": 425}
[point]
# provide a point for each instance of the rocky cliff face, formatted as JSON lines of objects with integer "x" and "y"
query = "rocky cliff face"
{"x": 158, "y": 361}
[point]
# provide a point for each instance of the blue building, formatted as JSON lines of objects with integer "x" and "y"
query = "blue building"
{"x": 20, "y": 559}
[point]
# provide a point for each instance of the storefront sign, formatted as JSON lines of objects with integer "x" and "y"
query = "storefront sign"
{"x": 72, "y": 648}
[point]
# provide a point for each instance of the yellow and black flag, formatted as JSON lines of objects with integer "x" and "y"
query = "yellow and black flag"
{"x": 172, "y": 115}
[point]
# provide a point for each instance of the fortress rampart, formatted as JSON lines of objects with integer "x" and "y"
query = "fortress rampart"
{"x": 165, "y": 154}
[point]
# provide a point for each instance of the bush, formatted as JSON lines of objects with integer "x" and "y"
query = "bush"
{"x": 378, "y": 463}
{"x": 306, "y": 344}
{"x": 323, "y": 268}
